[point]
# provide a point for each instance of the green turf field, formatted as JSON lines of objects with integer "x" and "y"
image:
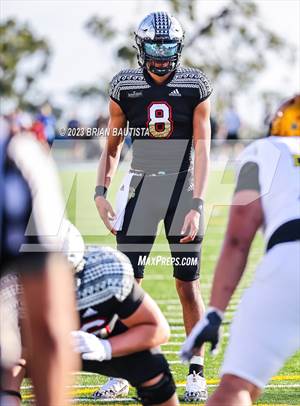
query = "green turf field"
{"x": 282, "y": 389}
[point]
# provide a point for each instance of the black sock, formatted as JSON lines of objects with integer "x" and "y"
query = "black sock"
{"x": 197, "y": 368}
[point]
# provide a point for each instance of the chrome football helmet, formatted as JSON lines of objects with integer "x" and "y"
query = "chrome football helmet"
{"x": 159, "y": 39}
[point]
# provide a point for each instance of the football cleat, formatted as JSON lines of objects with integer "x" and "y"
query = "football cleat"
{"x": 112, "y": 389}
{"x": 196, "y": 388}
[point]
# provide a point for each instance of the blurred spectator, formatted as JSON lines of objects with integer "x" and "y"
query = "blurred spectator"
{"x": 268, "y": 113}
{"x": 126, "y": 148}
{"x": 48, "y": 119}
{"x": 18, "y": 121}
{"x": 232, "y": 123}
{"x": 73, "y": 123}
{"x": 214, "y": 127}
{"x": 38, "y": 130}
{"x": 4, "y": 127}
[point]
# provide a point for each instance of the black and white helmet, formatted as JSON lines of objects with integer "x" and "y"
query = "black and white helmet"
{"x": 159, "y": 38}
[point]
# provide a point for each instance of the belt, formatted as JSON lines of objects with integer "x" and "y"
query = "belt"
{"x": 287, "y": 232}
{"x": 138, "y": 172}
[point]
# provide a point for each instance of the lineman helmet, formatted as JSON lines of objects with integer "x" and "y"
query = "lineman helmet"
{"x": 286, "y": 122}
{"x": 159, "y": 38}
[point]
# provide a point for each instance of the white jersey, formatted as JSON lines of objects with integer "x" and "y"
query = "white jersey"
{"x": 278, "y": 160}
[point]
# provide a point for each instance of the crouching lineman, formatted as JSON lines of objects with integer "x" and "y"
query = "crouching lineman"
{"x": 121, "y": 326}
{"x": 267, "y": 322}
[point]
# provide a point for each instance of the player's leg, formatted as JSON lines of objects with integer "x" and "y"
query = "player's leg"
{"x": 264, "y": 333}
{"x": 147, "y": 371}
{"x": 193, "y": 310}
{"x": 159, "y": 390}
{"x": 186, "y": 265}
{"x": 234, "y": 391}
{"x": 137, "y": 249}
{"x": 138, "y": 222}
{"x": 192, "y": 304}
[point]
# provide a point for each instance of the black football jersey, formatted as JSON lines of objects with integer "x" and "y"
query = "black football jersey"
{"x": 106, "y": 292}
{"x": 160, "y": 117}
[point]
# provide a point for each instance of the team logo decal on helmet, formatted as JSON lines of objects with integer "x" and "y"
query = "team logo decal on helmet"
{"x": 286, "y": 122}
{"x": 159, "y": 38}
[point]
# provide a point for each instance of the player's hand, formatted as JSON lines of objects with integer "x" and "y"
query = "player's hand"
{"x": 206, "y": 330}
{"x": 190, "y": 226}
{"x": 90, "y": 347}
{"x": 106, "y": 212}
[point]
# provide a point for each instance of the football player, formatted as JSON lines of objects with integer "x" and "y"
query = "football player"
{"x": 31, "y": 210}
{"x": 121, "y": 326}
{"x": 264, "y": 332}
{"x": 167, "y": 109}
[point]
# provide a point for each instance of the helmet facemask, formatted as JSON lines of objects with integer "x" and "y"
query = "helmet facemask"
{"x": 163, "y": 54}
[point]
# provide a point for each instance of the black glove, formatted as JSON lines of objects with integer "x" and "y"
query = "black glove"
{"x": 206, "y": 330}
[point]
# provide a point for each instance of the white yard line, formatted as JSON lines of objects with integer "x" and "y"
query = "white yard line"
{"x": 177, "y": 327}
{"x": 178, "y": 335}
{"x": 104, "y": 400}
{"x": 172, "y": 343}
{"x": 179, "y": 385}
{"x": 170, "y": 352}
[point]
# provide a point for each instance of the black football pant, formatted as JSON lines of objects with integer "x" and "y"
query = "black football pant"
{"x": 148, "y": 199}
{"x": 136, "y": 368}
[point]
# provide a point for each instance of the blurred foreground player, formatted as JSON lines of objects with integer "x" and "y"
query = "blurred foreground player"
{"x": 31, "y": 210}
{"x": 167, "y": 108}
{"x": 121, "y": 326}
{"x": 266, "y": 328}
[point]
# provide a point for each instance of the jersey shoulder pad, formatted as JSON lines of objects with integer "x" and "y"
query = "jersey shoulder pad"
{"x": 127, "y": 79}
{"x": 107, "y": 274}
{"x": 249, "y": 154}
{"x": 253, "y": 151}
{"x": 193, "y": 78}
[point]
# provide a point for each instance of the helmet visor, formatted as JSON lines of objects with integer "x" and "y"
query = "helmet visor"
{"x": 161, "y": 50}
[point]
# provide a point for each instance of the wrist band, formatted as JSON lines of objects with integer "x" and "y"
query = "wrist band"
{"x": 100, "y": 191}
{"x": 197, "y": 204}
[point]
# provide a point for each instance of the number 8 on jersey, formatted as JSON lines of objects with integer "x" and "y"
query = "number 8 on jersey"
{"x": 160, "y": 121}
